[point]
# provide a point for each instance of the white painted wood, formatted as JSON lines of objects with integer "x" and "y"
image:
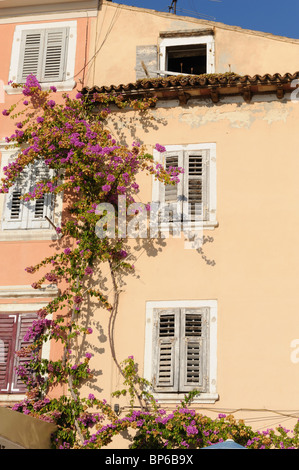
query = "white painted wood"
{"x": 210, "y": 394}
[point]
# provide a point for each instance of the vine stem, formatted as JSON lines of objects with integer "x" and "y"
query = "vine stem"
{"x": 111, "y": 324}
{"x": 70, "y": 381}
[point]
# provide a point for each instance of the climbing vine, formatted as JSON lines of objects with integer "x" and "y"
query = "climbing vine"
{"x": 89, "y": 167}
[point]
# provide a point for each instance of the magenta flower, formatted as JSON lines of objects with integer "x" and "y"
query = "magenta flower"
{"x": 5, "y": 112}
{"x": 51, "y": 103}
{"x": 160, "y": 148}
{"x": 67, "y": 251}
{"x": 88, "y": 270}
{"x": 111, "y": 178}
{"x": 106, "y": 188}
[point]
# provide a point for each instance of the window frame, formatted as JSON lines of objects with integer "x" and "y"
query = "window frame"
{"x": 45, "y": 231}
{"x": 16, "y": 301}
{"x": 210, "y": 221}
{"x": 16, "y": 339}
{"x": 167, "y": 396}
{"x": 62, "y": 85}
{"x": 187, "y": 41}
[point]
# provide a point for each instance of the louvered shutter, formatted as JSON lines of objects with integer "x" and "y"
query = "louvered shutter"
{"x": 43, "y": 54}
{"x": 31, "y": 54}
{"x": 196, "y": 184}
{"x": 15, "y": 214}
{"x": 8, "y": 331}
{"x": 193, "y": 349}
{"x": 172, "y": 195}
{"x": 25, "y": 321}
{"x": 166, "y": 346}
{"x": 41, "y": 207}
{"x": 54, "y": 56}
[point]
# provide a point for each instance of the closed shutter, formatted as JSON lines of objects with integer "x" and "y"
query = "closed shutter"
{"x": 196, "y": 184}
{"x": 193, "y": 350}
{"x": 42, "y": 207}
{"x": 43, "y": 54}
{"x": 25, "y": 321}
{"x": 172, "y": 195}
{"x": 166, "y": 350}
{"x": 16, "y": 210}
{"x": 180, "y": 343}
{"x": 8, "y": 331}
{"x": 146, "y": 61}
{"x": 31, "y": 53}
{"x": 54, "y": 56}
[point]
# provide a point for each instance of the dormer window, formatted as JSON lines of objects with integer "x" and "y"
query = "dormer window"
{"x": 189, "y": 55}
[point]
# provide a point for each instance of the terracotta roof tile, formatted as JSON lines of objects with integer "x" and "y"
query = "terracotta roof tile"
{"x": 200, "y": 85}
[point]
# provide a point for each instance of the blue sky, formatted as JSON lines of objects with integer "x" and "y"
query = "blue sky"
{"x": 279, "y": 17}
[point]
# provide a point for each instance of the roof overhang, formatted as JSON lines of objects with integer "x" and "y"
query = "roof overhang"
{"x": 211, "y": 86}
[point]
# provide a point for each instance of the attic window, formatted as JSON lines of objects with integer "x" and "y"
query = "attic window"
{"x": 190, "y": 55}
{"x": 190, "y": 59}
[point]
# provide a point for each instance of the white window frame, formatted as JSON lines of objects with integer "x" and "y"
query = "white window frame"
{"x": 46, "y": 230}
{"x": 66, "y": 85}
{"x": 172, "y": 397}
{"x": 188, "y": 41}
{"x": 211, "y": 220}
{"x": 37, "y": 301}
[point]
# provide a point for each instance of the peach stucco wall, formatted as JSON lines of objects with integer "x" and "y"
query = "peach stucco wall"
{"x": 249, "y": 264}
{"x": 119, "y": 29}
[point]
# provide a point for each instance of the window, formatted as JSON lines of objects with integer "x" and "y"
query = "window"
{"x": 19, "y": 214}
{"x": 43, "y": 54}
{"x": 17, "y": 313}
{"x": 13, "y": 328}
{"x": 195, "y": 195}
{"x": 46, "y": 50}
{"x": 187, "y": 55}
{"x": 180, "y": 349}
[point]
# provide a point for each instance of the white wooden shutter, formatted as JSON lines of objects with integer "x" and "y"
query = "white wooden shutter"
{"x": 196, "y": 184}
{"x": 193, "y": 349}
{"x": 166, "y": 349}
{"x": 171, "y": 196}
{"x": 55, "y": 49}
{"x": 15, "y": 213}
{"x": 30, "y": 54}
{"x": 8, "y": 328}
{"x": 41, "y": 207}
{"x": 43, "y": 54}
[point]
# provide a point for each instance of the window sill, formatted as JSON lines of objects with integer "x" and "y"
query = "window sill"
{"x": 27, "y": 235}
{"x": 206, "y": 225}
{"x": 12, "y": 397}
{"x": 67, "y": 85}
{"x": 204, "y": 398}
